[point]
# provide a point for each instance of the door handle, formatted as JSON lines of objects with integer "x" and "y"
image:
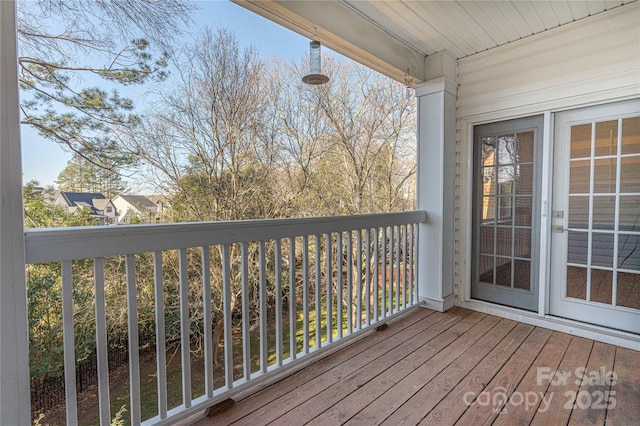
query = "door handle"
{"x": 558, "y": 229}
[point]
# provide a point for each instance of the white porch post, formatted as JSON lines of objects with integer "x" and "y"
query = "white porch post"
{"x": 436, "y": 179}
{"x": 14, "y": 349}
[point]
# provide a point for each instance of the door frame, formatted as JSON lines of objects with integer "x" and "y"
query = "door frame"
{"x": 466, "y": 208}
{"x": 462, "y": 258}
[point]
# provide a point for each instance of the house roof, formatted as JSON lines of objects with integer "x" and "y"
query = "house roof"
{"x": 394, "y": 37}
{"x": 96, "y": 201}
{"x": 138, "y": 201}
{"x": 158, "y": 198}
{"x": 73, "y": 198}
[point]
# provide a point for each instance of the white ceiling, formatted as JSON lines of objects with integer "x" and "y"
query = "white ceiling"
{"x": 394, "y": 36}
{"x": 468, "y": 27}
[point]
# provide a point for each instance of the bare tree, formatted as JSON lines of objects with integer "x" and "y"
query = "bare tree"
{"x": 210, "y": 147}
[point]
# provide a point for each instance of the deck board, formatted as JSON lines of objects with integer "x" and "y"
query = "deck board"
{"x": 400, "y": 361}
{"x": 487, "y": 404}
{"x": 442, "y": 368}
{"x": 563, "y": 384}
{"x": 449, "y": 410}
{"x": 425, "y": 361}
{"x": 600, "y": 361}
{"x": 532, "y": 387}
{"x": 423, "y": 401}
{"x": 341, "y": 363}
{"x": 627, "y": 389}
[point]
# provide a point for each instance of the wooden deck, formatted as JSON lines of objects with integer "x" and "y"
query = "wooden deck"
{"x": 451, "y": 368}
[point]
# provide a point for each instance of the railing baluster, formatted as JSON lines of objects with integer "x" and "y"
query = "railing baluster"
{"x": 207, "y": 317}
{"x": 101, "y": 342}
{"x": 185, "y": 338}
{"x": 134, "y": 347}
{"x": 390, "y": 268}
{"x": 350, "y": 281}
{"x": 376, "y": 273}
{"x": 358, "y": 325}
{"x": 161, "y": 348}
{"x": 329, "y": 290}
{"x": 69, "y": 344}
{"x": 278, "y": 271}
{"x": 414, "y": 240}
{"x": 228, "y": 336}
{"x": 318, "y": 307}
{"x": 305, "y": 292}
{"x": 359, "y": 275}
{"x": 397, "y": 284}
{"x": 403, "y": 246}
{"x": 293, "y": 348}
{"x": 384, "y": 272}
{"x": 246, "y": 337}
{"x": 367, "y": 279}
{"x": 264, "y": 350}
{"x": 339, "y": 293}
{"x": 411, "y": 264}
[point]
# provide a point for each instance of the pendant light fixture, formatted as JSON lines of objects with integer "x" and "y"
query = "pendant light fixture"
{"x": 315, "y": 76}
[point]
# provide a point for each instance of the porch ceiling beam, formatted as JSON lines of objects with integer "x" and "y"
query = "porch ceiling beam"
{"x": 342, "y": 29}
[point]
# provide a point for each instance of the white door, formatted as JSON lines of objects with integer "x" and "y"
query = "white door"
{"x": 595, "y": 252}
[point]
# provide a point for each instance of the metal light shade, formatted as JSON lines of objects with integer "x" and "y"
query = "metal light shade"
{"x": 315, "y": 76}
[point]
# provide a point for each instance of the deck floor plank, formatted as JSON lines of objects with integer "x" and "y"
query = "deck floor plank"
{"x": 563, "y": 383}
{"x": 627, "y": 389}
{"x": 392, "y": 398}
{"x": 595, "y": 383}
{"x": 359, "y": 352}
{"x": 449, "y": 410}
{"x": 423, "y": 401}
{"x": 429, "y": 368}
{"x": 392, "y": 360}
{"x": 409, "y": 373}
{"x": 498, "y": 392}
{"x": 532, "y": 387}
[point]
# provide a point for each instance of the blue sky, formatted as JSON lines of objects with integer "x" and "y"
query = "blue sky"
{"x": 43, "y": 160}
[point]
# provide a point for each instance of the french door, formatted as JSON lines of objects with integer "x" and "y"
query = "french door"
{"x": 505, "y": 223}
{"x": 595, "y": 239}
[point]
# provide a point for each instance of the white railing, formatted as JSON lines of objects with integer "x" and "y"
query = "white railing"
{"x": 292, "y": 287}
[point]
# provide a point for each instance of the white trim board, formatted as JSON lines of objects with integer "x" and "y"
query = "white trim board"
{"x": 575, "y": 328}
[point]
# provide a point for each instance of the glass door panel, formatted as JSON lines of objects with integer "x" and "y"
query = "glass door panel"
{"x": 505, "y": 179}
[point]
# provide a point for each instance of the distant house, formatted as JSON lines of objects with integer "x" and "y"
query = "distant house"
{"x": 99, "y": 205}
{"x": 162, "y": 202}
{"x": 139, "y": 207}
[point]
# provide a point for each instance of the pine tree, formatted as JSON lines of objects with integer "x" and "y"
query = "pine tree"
{"x": 81, "y": 175}
{"x": 69, "y": 95}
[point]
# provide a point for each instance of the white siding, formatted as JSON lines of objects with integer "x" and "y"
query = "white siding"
{"x": 589, "y": 61}
{"x": 596, "y": 60}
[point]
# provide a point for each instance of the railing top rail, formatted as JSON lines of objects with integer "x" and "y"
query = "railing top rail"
{"x": 56, "y": 244}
